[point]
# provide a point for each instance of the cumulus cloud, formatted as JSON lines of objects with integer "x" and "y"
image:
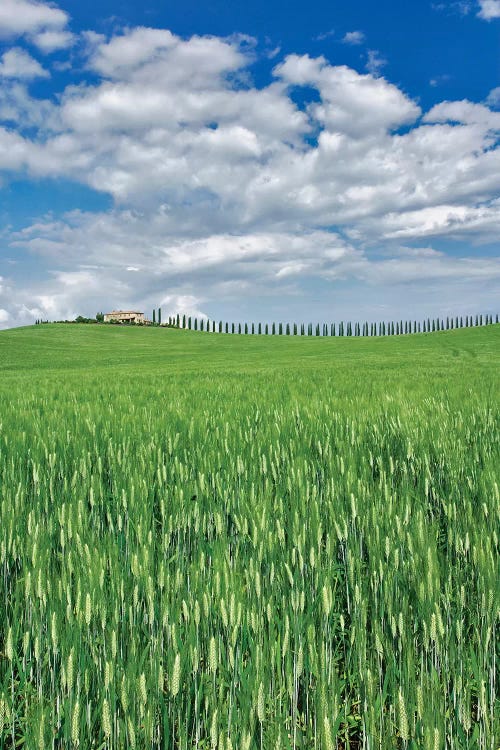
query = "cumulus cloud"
{"x": 52, "y": 40}
{"x": 493, "y": 99}
{"x": 224, "y": 189}
{"x": 375, "y": 62}
{"x": 19, "y": 17}
{"x": 354, "y": 37}
{"x": 16, "y": 63}
{"x": 489, "y": 9}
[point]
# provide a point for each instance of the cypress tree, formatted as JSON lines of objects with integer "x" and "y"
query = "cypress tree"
{"x": 496, "y": 319}
{"x": 288, "y": 329}
{"x": 295, "y": 329}
{"x": 280, "y": 329}
{"x": 189, "y": 323}
{"x": 267, "y": 330}
{"x": 220, "y": 326}
{"x": 232, "y": 327}
{"x": 246, "y": 328}
{"x": 154, "y": 317}
{"x": 227, "y": 327}
{"x": 302, "y": 330}
{"x": 202, "y": 325}
{"x": 273, "y": 330}
{"x": 260, "y": 329}
{"x": 196, "y": 324}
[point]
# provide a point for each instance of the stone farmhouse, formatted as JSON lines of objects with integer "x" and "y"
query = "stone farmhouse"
{"x": 125, "y": 316}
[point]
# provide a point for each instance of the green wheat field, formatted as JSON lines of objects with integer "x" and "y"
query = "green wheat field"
{"x": 215, "y": 541}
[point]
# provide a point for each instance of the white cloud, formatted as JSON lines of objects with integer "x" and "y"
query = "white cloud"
{"x": 16, "y": 63}
{"x": 489, "y": 9}
{"x": 354, "y": 37}
{"x": 50, "y": 41}
{"x": 375, "y": 62}
{"x": 324, "y": 35}
{"x": 493, "y": 98}
{"x": 18, "y": 17}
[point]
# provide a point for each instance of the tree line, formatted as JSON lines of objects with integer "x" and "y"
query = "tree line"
{"x": 343, "y": 328}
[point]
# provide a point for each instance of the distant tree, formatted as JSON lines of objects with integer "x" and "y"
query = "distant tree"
{"x": 253, "y": 329}
{"x": 260, "y": 329}
{"x": 246, "y": 328}
{"x": 154, "y": 317}
{"x": 99, "y": 317}
{"x": 280, "y": 329}
{"x": 266, "y": 330}
{"x": 302, "y": 330}
{"x": 288, "y": 329}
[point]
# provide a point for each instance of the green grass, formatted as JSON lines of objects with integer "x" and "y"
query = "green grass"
{"x": 224, "y": 541}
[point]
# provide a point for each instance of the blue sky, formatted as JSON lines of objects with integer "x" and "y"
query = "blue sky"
{"x": 246, "y": 162}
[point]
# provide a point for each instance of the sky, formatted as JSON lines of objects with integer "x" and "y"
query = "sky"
{"x": 249, "y": 161}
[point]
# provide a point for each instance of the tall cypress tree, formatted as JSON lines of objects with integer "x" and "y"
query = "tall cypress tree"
{"x": 266, "y": 330}
{"x": 260, "y": 329}
{"x": 154, "y": 316}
